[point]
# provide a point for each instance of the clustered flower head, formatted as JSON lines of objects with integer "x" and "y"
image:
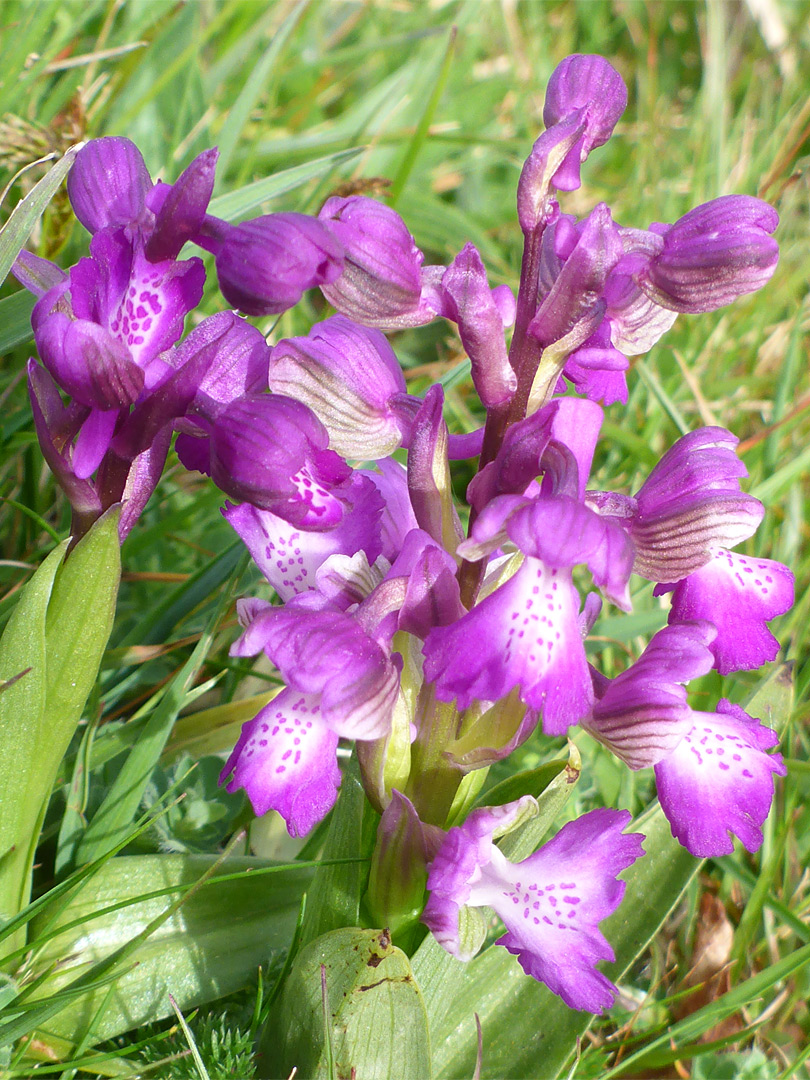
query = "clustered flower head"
{"x": 436, "y": 651}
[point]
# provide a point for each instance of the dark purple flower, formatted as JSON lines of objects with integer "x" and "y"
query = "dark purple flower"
{"x": 715, "y": 253}
{"x": 382, "y": 281}
{"x": 265, "y": 265}
{"x": 551, "y": 903}
{"x": 271, "y": 451}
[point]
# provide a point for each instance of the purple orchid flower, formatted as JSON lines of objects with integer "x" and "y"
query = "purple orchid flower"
{"x": 739, "y": 595}
{"x": 713, "y": 775}
{"x": 340, "y": 683}
{"x": 551, "y": 903}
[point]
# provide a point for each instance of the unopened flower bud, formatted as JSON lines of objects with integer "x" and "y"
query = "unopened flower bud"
{"x": 381, "y": 284}
{"x": 264, "y": 266}
{"x": 590, "y": 87}
{"x": 713, "y": 254}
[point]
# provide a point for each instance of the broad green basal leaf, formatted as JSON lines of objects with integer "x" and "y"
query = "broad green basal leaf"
{"x": 350, "y": 1007}
{"x": 213, "y": 945}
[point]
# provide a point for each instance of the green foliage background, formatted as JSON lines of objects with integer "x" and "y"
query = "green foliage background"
{"x": 303, "y": 98}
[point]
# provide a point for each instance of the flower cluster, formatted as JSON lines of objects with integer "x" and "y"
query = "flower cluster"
{"x": 436, "y": 651}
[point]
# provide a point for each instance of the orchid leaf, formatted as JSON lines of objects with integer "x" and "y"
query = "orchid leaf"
{"x": 29, "y": 210}
{"x": 209, "y": 946}
{"x": 334, "y": 898}
{"x": 375, "y": 1019}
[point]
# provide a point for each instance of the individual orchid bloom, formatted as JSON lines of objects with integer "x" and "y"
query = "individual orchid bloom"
{"x": 740, "y": 595}
{"x": 713, "y": 774}
{"x": 340, "y": 683}
{"x": 383, "y": 279}
{"x": 350, "y": 378}
{"x": 688, "y": 509}
{"x": 101, "y": 332}
{"x": 290, "y": 557}
{"x": 272, "y": 452}
{"x": 550, "y": 903}
{"x": 718, "y": 251}
{"x": 265, "y": 265}
{"x": 526, "y": 633}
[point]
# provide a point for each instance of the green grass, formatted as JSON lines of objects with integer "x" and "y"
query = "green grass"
{"x": 368, "y": 90}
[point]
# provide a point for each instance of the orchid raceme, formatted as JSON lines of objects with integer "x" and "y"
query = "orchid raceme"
{"x": 434, "y": 639}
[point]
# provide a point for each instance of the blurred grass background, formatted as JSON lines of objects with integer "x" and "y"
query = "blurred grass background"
{"x": 439, "y": 122}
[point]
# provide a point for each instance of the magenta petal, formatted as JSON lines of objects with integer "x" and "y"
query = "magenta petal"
{"x": 719, "y": 780}
{"x": 88, "y": 362}
{"x": 289, "y": 558}
{"x": 739, "y": 595}
{"x": 108, "y": 183}
{"x": 182, "y": 211}
{"x": 93, "y": 441}
{"x": 524, "y": 634}
{"x": 285, "y": 760}
{"x": 557, "y": 898}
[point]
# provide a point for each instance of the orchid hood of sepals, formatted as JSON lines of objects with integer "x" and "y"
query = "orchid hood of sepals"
{"x": 265, "y": 265}
{"x": 719, "y": 781}
{"x": 329, "y": 654}
{"x": 381, "y": 284}
{"x": 271, "y": 451}
{"x": 691, "y": 506}
{"x": 480, "y": 326}
{"x": 739, "y": 595}
{"x": 642, "y": 714}
{"x": 350, "y": 378}
{"x": 109, "y": 187}
{"x": 108, "y": 184}
{"x": 715, "y": 253}
{"x": 590, "y": 89}
{"x": 290, "y": 557}
{"x": 551, "y": 903}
